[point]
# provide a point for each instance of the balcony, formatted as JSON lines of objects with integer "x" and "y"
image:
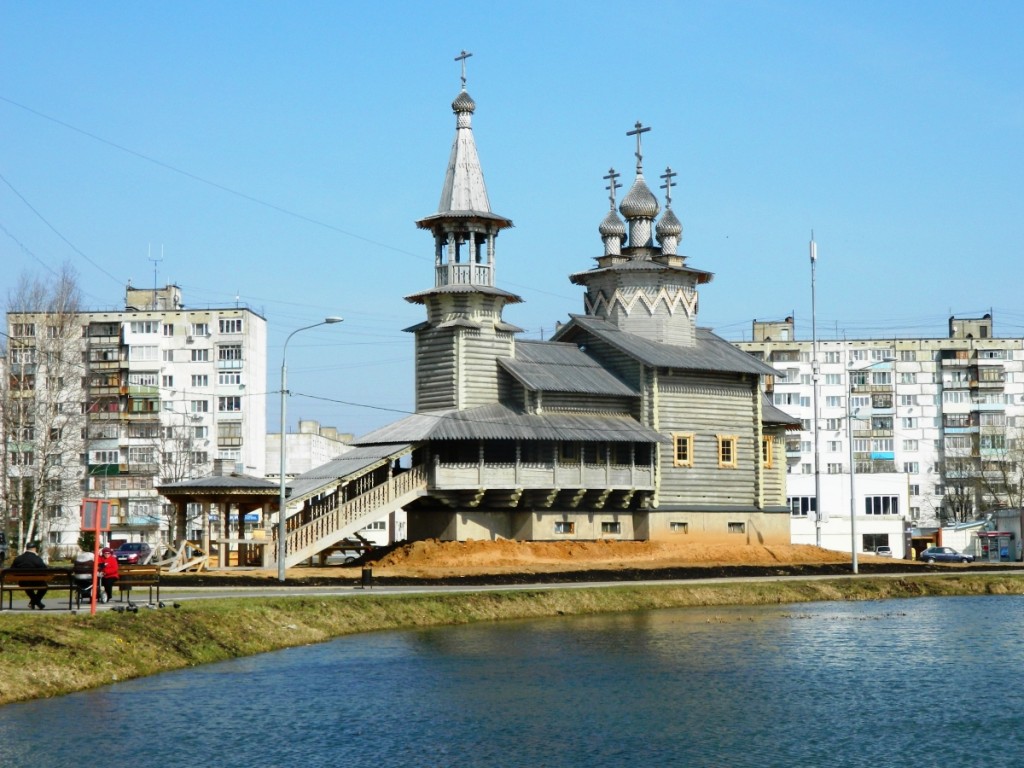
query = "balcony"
{"x": 537, "y": 475}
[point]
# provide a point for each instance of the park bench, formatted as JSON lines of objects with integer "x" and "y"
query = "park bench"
{"x": 19, "y": 579}
{"x": 138, "y": 576}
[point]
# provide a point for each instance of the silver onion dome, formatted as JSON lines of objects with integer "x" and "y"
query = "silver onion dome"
{"x": 668, "y": 226}
{"x": 612, "y": 226}
{"x": 639, "y": 202}
{"x": 463, "y": 103}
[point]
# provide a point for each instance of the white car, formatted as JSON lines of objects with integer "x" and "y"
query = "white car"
{"x": 883, "y": 551}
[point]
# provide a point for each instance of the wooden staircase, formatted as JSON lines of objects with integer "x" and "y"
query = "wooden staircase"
{"x": 332, "y": 522}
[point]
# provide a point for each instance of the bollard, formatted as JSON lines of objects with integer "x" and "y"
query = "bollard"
{"x": 367, "y": 580}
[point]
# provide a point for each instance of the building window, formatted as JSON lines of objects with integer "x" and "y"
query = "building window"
{"x": 200, "y": 380}
{"x": 23, "y": 329}
{"x": 614, "y": 528}
{"x": 564, "y": 526}
{"x": 679, "y": 527}
{"x": 834, "y": 446}
{"x": 834, "y": 469}
{"x": 200, "y": 329}
{"x": 229, "y": 352}
{"x": 802, "y": 506}
{"x": 199, "y": 457}
{"x": 908, "y": 400}
{"x": 231, "y": 403}
{"x": 569, "y": 453}
{"x": 909, "y": 422}
{"x": 910, "y": 445}
{"x": 727, "y": 451}
{"x": 147, "y": 353}
{"x": 833, "y": 357}
{"x": 833, "y": 425}
{"x": 833, "y": 379}
{"x": 231, "y": 325}
{"x": 833, "y": 401}
{"x": 200, "y": 406}
{"x": 915, "y": 490}
{"x": 907, "y": 355}
{"x": 683, "y": 451}
{"x": 858, "y": 354}
{"x": 881, "y": 505}
{"x": 140, "y": 455}
{"x": 907, "y": 377}
{"x": 737, "y": 527}
{"x": 145, "y": 326}
{"x": 767, "y": 450}
{"x": 200, "y": 355}
{"x": 200, "y": 433}
{"x": 911, "y": 467}
{"x": 168, "y": 329}
{"x": 229, "y": 378}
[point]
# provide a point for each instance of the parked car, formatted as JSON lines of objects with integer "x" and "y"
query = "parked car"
{"x": 944, "y": 555}
{"x": 883, "y": 551}
{"x": 134, "y": 553}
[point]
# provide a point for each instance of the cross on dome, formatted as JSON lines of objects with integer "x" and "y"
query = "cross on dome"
{"x": 612, "y": 185}
{"x": 638, "y": 130}
{"x": 462, "y": 57}
{"x": 668, "y": 175}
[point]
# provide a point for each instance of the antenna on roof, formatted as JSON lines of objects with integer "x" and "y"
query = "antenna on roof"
{"x": 155, "y": 261}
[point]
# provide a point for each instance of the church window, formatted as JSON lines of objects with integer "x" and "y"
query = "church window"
{"x": 767, "y": 453}
{"x": 683, "y": 455}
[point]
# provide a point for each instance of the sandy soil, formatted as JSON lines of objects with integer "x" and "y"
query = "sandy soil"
{"x": 441, "y": 559}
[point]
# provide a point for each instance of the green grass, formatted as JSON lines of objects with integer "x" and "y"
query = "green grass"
{"x": 55, "y": 653}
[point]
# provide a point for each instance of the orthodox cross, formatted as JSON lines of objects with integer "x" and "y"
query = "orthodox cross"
{"x": 462, "y": 57}
{"x": 638, "y": 131}
{"x": 612, "y": 185}
{"x": 668, "y": 175}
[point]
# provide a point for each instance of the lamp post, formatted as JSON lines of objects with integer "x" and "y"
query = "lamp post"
{"x": 282, "y": 521}
{"x": 849, "y": 440}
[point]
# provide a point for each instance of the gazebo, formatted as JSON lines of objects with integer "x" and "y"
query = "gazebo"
{"x": 234, "y": 496}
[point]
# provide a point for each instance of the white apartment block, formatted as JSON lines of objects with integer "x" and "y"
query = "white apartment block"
{"x": 162, "y": 391}
{"x": 944, "y": 413}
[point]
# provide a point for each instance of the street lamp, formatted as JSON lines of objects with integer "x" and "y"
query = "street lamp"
{"x": 282, "y": 522}
{"x": 849, "y": 440}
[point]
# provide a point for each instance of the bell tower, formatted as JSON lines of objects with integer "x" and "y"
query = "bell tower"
{"x": 457, "y": 346}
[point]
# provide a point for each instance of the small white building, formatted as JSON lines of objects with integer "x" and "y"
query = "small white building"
{"x": 881, "y": 503}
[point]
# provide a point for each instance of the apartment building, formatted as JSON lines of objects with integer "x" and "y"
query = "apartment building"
{"x": 943, "y": 415}
{"x": 148, "y": 395}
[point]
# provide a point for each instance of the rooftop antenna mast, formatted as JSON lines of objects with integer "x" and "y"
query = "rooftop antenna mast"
{"x": 155, "y": 261}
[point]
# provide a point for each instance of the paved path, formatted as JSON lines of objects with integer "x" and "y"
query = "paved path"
{"x": 176, "y": 594}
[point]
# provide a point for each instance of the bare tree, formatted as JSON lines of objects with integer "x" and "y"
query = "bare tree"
{"x": 41, "y": 401}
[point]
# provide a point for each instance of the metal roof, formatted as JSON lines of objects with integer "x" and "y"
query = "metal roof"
{"x": 546, "y": 366}
{"x": 771, "y": 414}
{"x": 711, "y": 352}
{"x": 232, "y": 482}
{"x": 417, "y": 298}
{"x": 643, "y": 265}
{"x": 499, "y": 422}
{"x": 355, "y": 462}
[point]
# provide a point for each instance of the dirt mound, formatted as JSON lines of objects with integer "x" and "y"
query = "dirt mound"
{"x": 436, "y": 558}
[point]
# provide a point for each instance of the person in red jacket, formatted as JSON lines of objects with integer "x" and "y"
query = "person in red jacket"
{"x": 109, "y": 572}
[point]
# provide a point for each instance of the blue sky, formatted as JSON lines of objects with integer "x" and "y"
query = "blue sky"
{"x": 278, "y": 155}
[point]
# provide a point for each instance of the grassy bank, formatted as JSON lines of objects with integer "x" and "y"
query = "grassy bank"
{"x": 53, "y": 654}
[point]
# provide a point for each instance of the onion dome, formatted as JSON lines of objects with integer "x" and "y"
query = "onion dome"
{"x": 463, "y": 103}
{"x": 639, "y": 202}
{"x": 612, "y": 226}
{"x": 668, "y": 226}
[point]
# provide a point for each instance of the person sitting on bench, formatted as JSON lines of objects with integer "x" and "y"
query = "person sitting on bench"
{"x": 30, "y": 559}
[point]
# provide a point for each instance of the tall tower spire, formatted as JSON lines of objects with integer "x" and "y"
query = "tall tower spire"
{"x": 464, "y": 226}
{"x": 464, "y": 333}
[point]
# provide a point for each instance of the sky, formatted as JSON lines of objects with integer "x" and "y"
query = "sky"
{"x": 276, "y": 156}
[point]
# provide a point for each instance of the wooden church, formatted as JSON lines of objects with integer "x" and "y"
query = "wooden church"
{"x": 632, "y": 422}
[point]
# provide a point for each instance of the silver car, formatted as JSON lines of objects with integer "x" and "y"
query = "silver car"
{"x": 945, "y": 555}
